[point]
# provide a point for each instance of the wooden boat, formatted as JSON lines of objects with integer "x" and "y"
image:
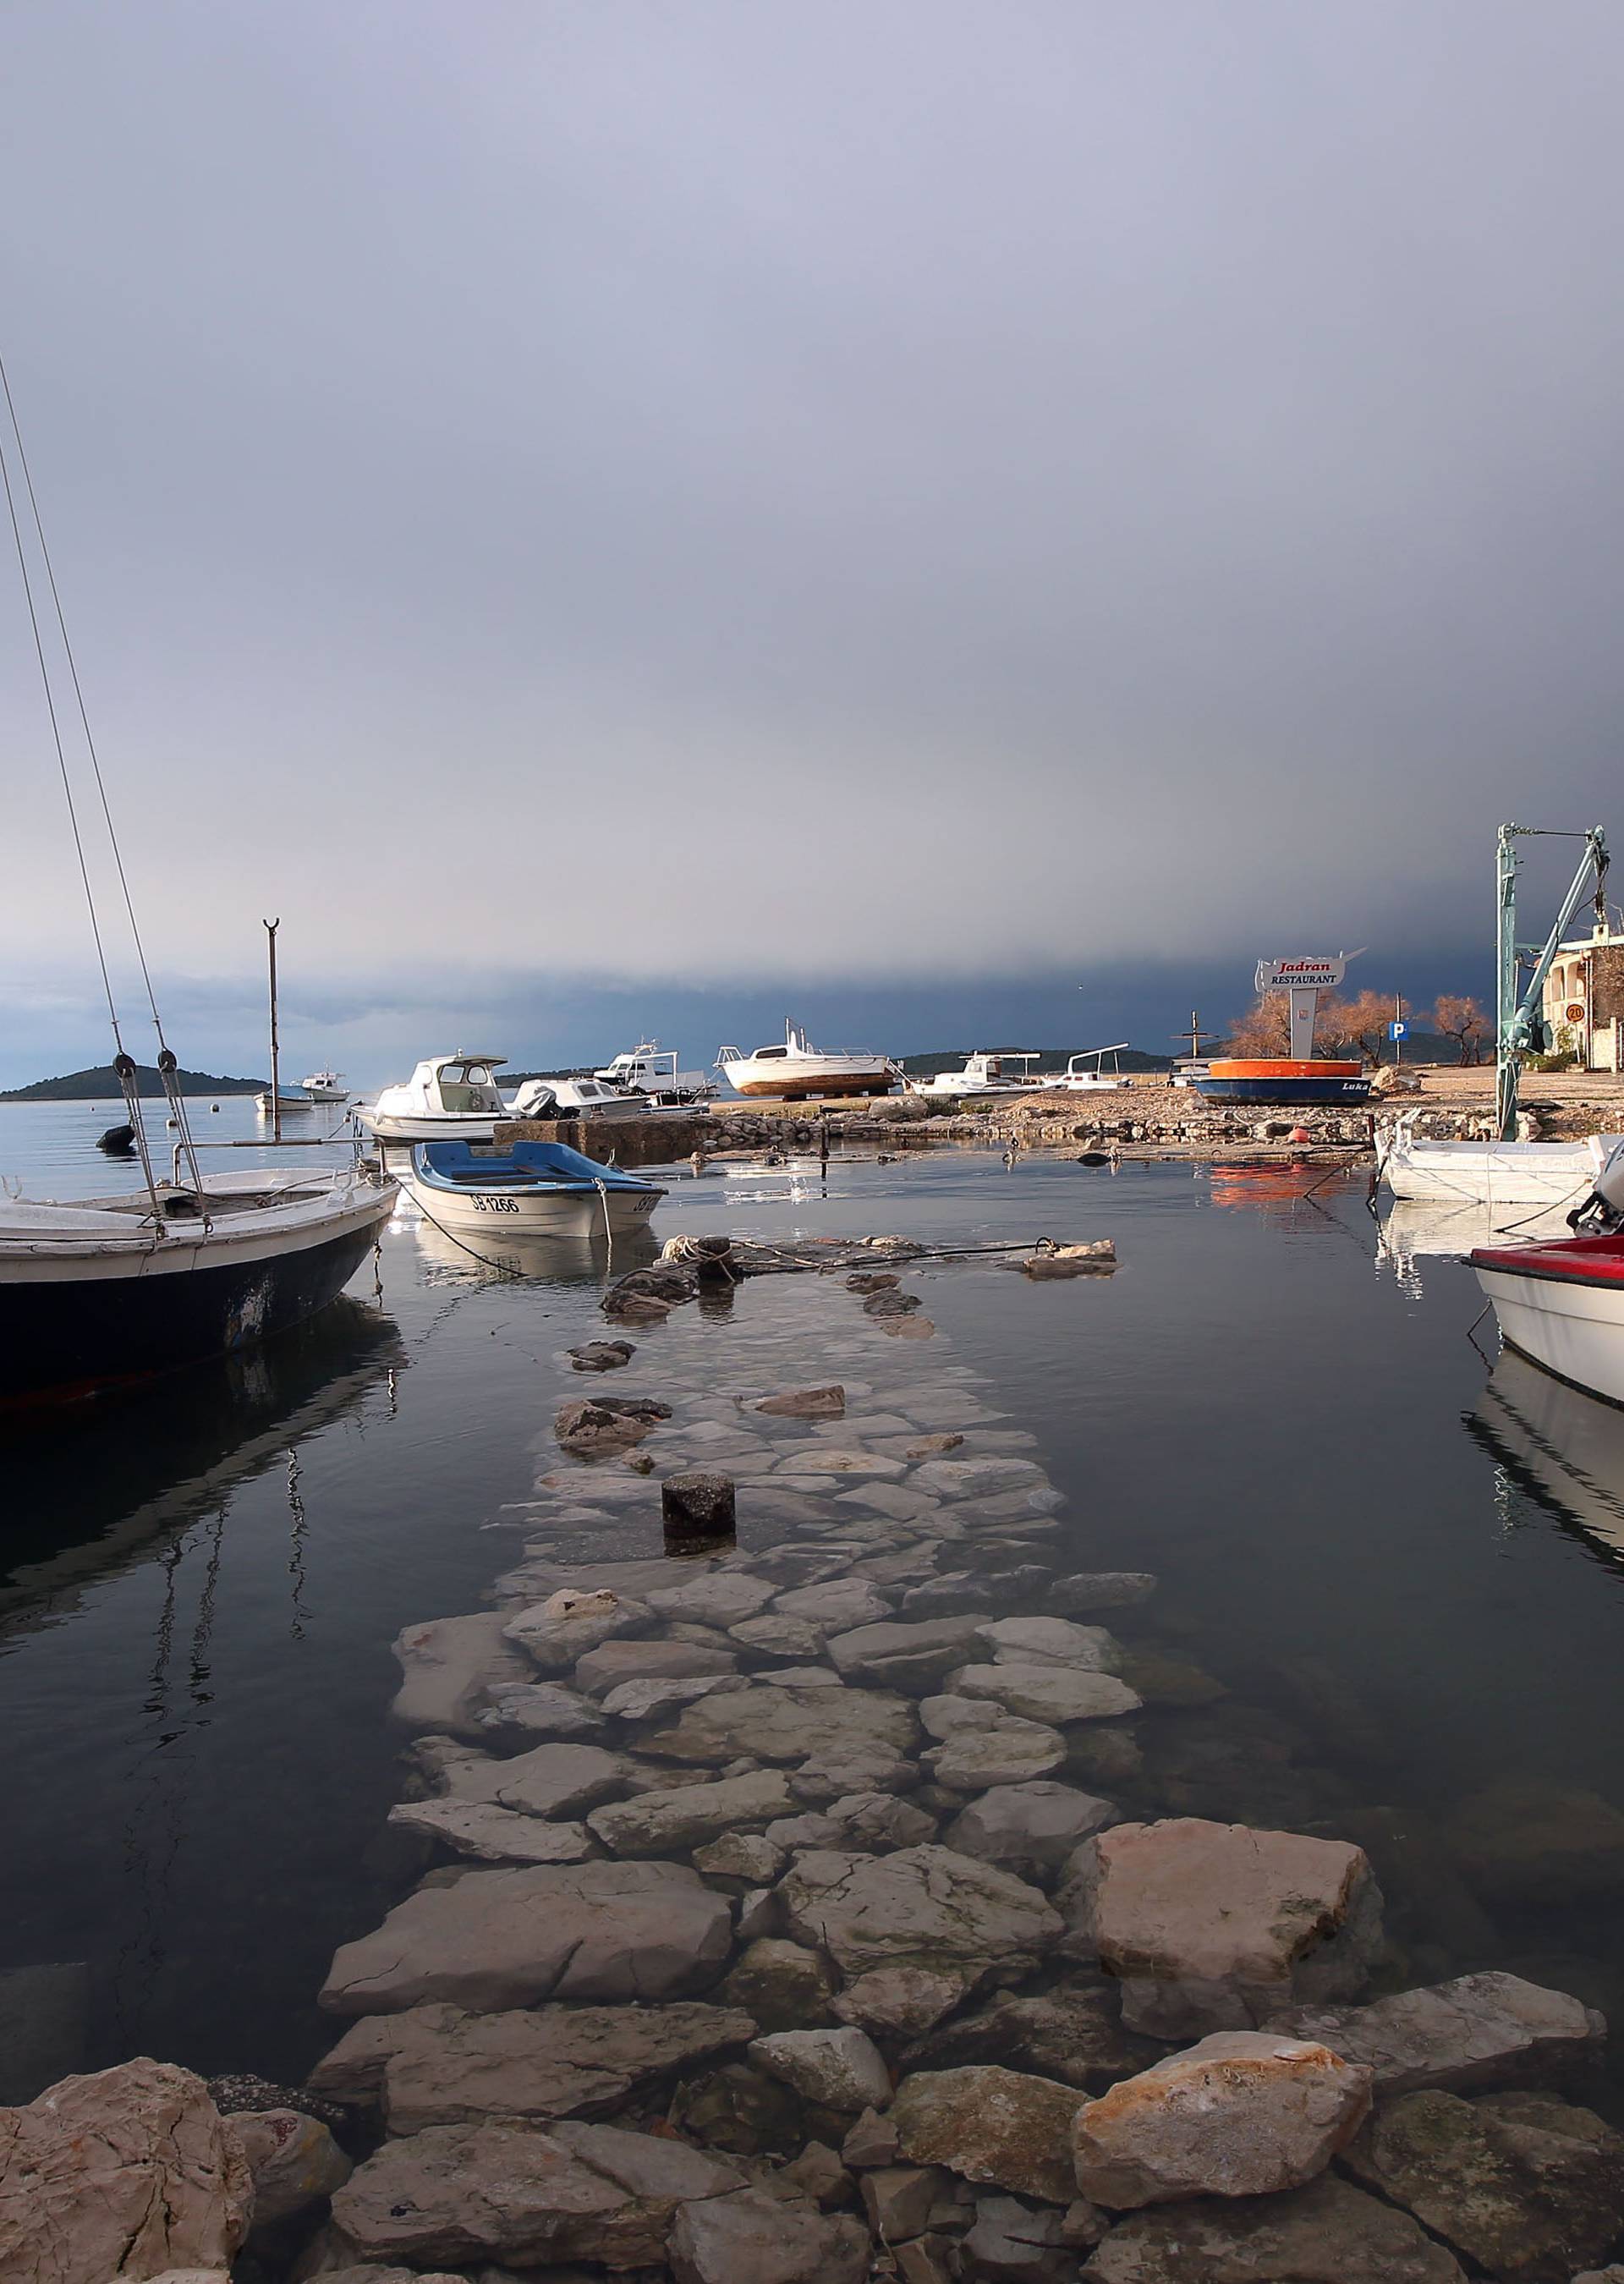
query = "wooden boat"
{"x": 1277, "y": 1079}
{"x": 267, "y": 1104}
{"x": 797, "y": 1070}
{"x": 532, "y": 1188}
{"x": 96, "y": 1291}
{"x": 1562, "y": 1304}
{"x": 1490, "y": 1173}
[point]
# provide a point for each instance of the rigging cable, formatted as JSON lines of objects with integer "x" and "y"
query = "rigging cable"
{"x": 124, "y": 1064}
{"x": 167, "y": 1065}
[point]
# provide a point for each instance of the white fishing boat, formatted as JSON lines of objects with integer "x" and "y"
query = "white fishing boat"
{"x": 983, "y": 1073}
{"x": 448, "y": 1097}
{"x": 267, "y": 1104}
{"x": 101, "y": 1290}
{"x": 325, "y": 1086}
{"x": 797, "y": 1070}
{"x": 530, "y": 1189}
{"x": 1490, "y": 1173}
{"x": 651, "y": 1070}
{"x": 1562, "y": 1305}
{"x": 1086, "y": 1074}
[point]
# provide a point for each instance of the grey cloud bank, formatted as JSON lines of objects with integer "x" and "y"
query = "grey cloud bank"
{"x": 890, "y": 498}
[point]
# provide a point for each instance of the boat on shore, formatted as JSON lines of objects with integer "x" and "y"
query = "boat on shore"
{"x": 983, "y": 1073}
{"x": 651, "y": 1070}
{"x": 530, "y": 1189}
{"x": 448, "y": 1097}
{"x": 1086, "y": 1074}
{"x": 589, "y": 1097}
{"x": 797, "y": 1070}
{"x": 1280, "y": 1079}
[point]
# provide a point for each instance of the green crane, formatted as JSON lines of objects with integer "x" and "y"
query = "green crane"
{"x": 1519, "y": 1028}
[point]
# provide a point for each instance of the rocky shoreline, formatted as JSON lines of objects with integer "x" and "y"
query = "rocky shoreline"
{"x": 870, "y": 1891}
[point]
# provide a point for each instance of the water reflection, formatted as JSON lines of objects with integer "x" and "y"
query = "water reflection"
{"x": 1563, "y": 1448}
{"x": 550, "y": 1260}
{"x": 1420, "y": 1229}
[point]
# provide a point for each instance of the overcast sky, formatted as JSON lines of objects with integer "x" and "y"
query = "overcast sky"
{"x": 880, "y": 505}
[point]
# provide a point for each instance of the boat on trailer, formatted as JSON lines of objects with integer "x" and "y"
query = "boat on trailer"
{"x": 650, "y": 1069}
{"x": 798, "y": 1071}
{"x": 530, "y": 1189}
{"x": 983, "y": 1073}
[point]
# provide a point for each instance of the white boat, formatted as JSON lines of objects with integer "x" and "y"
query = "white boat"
{"x": 590, "y": 1098}
{"x": 983, "y": 1073}
{"x": 1562, "y": 1305}
{"x": 1086, "y": 1074}
{"x": 325, "y": 1086}
{"x": 652, "y": 1070}
{"x": 797, "y": 1070}
{"x": 447, "y": 1099}
{"x": 1490, "y": 1173}
{"x": 531, "y": 1189}
{"x": 267, "y": 1104}
{"x": 96, "y": 1291}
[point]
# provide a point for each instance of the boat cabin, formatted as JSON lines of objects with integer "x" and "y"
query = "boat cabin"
{"x": 457, "y": 1084}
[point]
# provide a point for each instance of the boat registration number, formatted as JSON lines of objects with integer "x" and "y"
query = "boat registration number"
{"x": 496, "y": 1205}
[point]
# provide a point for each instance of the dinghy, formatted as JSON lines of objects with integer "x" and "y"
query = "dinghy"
{"x": 540, "y": 1188}
{"x": 1490, "y": 1173}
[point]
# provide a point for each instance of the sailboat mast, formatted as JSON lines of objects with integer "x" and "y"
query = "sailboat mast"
{"x": 270, "y": 928}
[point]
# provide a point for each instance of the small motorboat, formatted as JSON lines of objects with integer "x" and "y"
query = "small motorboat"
{"x": 1086, "y": 1074}
{"x": 983, "y": 1073}
{"x": 267, "y": 1104}
{"x": 651, "y": 1070}
{"x": 1561, "y": 1303}
{"x": 585, "y": 1098}
{"x": 798, "y": 1071}
{"x": 1490, "y": 1173}
{"x": 325, "y": 1086}
{"x": 536, "y": 1188}
{"x": 448, "y": 1097}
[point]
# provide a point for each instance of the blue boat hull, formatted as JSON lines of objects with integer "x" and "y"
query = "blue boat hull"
{"x": 1285, "y": 1091}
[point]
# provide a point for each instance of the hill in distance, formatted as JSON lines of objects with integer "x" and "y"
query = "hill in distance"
{"x": 1048, "y": 1059}
{"x": 101, "y": 1084}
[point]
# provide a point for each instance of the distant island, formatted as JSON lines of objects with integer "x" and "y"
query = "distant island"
{"x": 102, "y": 1086}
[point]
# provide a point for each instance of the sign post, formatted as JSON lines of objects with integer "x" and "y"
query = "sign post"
{"x": 1304, "y": 979}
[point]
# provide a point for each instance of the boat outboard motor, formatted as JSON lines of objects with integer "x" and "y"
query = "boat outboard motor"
{"x": 118, "y": 1142}
{"x": 1603, "y": 1211}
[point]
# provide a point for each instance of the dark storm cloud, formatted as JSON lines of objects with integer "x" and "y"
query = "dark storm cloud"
{"x": 888, "y": 492}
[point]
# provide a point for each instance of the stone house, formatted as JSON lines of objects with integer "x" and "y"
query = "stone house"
{"x": 1583, "y": 1000}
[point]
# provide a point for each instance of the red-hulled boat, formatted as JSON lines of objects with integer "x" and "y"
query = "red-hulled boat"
{"x": 1562, "y": 1304}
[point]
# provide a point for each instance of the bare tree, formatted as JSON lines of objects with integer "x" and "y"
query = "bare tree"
{"x": 1462, "y": 1020}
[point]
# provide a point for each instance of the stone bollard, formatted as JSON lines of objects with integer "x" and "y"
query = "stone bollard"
{"x": 696, "y": 1508}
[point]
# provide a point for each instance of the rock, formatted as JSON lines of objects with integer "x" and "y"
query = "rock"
{"x": 1479, "y": 2030}
{"x": 1050, "y": 1641}
{"x": 634, "y": 1308}
{"x": 1218, "y": 1927}
{"x": 851, "y": 1767}
{"x": 536, "y": 1712}
{"x": 1527, "y": 2186}
{"x": 125, "y": 2172}
{"x": 1244, "y": 2114}
{"x": 900, "y": 2000}
{"x": 991, "y": 2124}
{"x": 1533, "y": 1845}
{"x": 512, "y": 2194}
{"x": 899, "y": 2200}
{"x": 1099, "y": 1590}
{"x": 1072, "y": 2035}
{"x": 784, "y": 1985}
{"x": 1038, "y": 1822}
{"x": 295, "y": 2161}
{"x": 931, "y": 1447}
{"x": 697, "y": 1505}
{"x": 1048, "y": 1693}
{"x": 438, "y": 2066}
{"x": 1017, "y": 2243}
{"x": 752, "y": 2238}
{"x": 1326, "y": 2234}
{"x": 448, "y": 1664}
{"x": 818, "y": 2173}
{"x": 840, "y": 2069}
{"x": 549, "y": 1781}
{"x": 959, "y": 1479}
{"x": 899, "y": 1656}
{"x": 879, "y": 1822}
{"x": 670, "y": 1823}
{"x": 603, "y": 1669}
{"x": 928, "y": 1907}
{"x": 748, "y": 1856}
{"x": 719, "y": 1597}
{"x": 789, "y": 1725}
{"x": 773, "y": 1635}
{"x": 740, "y": 2110}
{"x": 1175, "y": 1681}
{"x": 600, "y": 1356}
{"x": 871, "y": 2141}
{"x": 556, "y": 1634}
{"x": 496, "y": 1835}
{"x": 592, "y": 1431}
{"x": 652, "y": 1700}
{"x": 836, "y": 1605}
{"x": 500, "y": 1939}
{"x": 825, "y": 1402}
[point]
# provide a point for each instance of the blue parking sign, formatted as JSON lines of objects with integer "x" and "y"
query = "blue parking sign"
{"x": 1398, "y": 1031}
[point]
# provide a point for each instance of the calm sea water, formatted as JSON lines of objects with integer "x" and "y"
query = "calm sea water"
{"x": 198, "y": 1589}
